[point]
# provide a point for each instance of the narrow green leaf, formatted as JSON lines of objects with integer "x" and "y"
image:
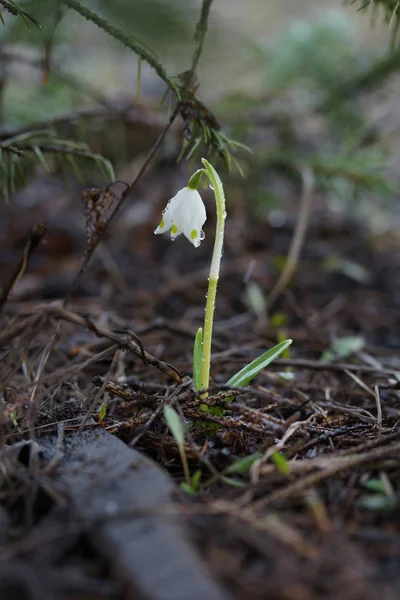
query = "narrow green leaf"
{"x": 13, "y": 418}
{"x": 343, "y": 347}
{"x": 197, "y": 355}
{"x": 41, "y": 158}
{"x": 281, "y": 463}
{"x": 28, "y": 19}
{"x": 187, "y": 488}
{"x": 106, "y": 167}
{"x": 377, "y": 502}
{"x": 71, "y": 160}
{"x": 175, "y": 425}
{"x": 243, "y": 464}
{"x": 245, "y": 375}
{"x": 375, "y": 485}
{"x": 102, "y": 411}
{"x": 255, "y": 299}
{"x": 233, "y": 482}
{"x": 196, "y": 479}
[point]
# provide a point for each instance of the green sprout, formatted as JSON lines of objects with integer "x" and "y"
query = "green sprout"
{"x": 185, "y": 213}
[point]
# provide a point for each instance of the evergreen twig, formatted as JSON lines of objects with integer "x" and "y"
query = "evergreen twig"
{"x": 9, "y": 7}
{"x": 15, "y": 10}
{"x": 199, "y": 37}
{"x": 201, "y": 30}
{"x": 125, "y": 39}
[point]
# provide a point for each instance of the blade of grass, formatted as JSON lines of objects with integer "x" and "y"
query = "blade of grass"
{"x": 245, "y": 375}
{"x": 177, "y": 430}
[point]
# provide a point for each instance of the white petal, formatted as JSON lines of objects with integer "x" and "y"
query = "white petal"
{"x": 168, "y": 214}
{"x": 191, "y": 216}
{"x": 185, "y": 213}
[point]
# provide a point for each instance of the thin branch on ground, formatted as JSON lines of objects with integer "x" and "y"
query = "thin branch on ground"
{"x": 35, "y": 238}
{"x": 298, "y": 238}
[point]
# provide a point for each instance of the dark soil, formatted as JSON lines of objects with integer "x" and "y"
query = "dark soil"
{"x": 324, "y": 524}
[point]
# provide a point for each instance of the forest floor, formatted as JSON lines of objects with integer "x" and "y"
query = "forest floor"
{"x": 84, "y": 514}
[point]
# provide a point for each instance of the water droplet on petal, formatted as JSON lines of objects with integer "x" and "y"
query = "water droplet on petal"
{"x": 202, "y": 235}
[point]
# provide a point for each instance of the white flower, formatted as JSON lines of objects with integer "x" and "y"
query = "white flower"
{"x": 185, "y": 213}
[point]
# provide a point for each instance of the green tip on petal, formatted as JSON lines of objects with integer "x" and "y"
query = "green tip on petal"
{"x": 174, "y": 229}
{"x": 161, "y": 225}
{"x": 193, "y": 234}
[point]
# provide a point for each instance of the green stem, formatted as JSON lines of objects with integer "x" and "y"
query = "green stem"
{"x": 127, "y": 40}
{"x": 214, "y": 274}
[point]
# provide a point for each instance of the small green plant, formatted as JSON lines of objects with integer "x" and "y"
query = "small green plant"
{"x": 185, "y": 213}
{"x": 177, "y": 429}
{"x": 381, "y": 497}
{"x": 343, "y": 348}
{"x": 102, "y": 411}
{"x": 281, "y": 463}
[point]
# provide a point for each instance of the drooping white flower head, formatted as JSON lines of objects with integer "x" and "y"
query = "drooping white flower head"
{"x": 185, "y": 213}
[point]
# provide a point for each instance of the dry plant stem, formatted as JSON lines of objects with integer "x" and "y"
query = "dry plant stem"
{"x": 118, "y": 207}
{"x": 47, "y": 351}
{"x": 297, "y": 241}
{"x": 37, "y": 234}
{"x": 100, "y": 392}
{"x": 123, "y": 340}
{"x": 319, "y": 366}
{"x": 128, "y": 111}
{"x": 339, "y": 465}
{"x": 43, "y": 360}
{"x": 201, "y": 30}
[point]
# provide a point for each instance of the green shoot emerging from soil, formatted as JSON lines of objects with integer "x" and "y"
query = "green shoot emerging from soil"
{"x": 185, "y": 213}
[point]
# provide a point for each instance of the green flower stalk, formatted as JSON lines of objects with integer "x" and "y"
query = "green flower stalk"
{"x": 185, "y": 213}
{"x": 213, "y": 278}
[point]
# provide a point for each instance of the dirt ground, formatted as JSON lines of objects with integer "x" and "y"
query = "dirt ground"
{"x": 91, "y": 498}
{"x": 325, "y": 524}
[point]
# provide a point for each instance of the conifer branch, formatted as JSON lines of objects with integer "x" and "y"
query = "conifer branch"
{"x": 125, "y": 39}
{"x": 14, "y": 9}
{"x": 201, "y": 30}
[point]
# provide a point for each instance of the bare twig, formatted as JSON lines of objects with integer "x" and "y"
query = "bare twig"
{"x": 125, "y": 341}
{"x": 119, "y": 204}
{"x": 35, "y": 238}
{"x": 299, "y": 234}
{"x": 378, "y": 408}
{"x": 100, "y": 392}
{"x": 128, "y": 111}
{"x": 334, "y": 466}
{"x": 320, "y": 366}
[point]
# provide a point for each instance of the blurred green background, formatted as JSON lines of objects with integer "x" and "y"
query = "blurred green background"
{"x": 270, "y": 72}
